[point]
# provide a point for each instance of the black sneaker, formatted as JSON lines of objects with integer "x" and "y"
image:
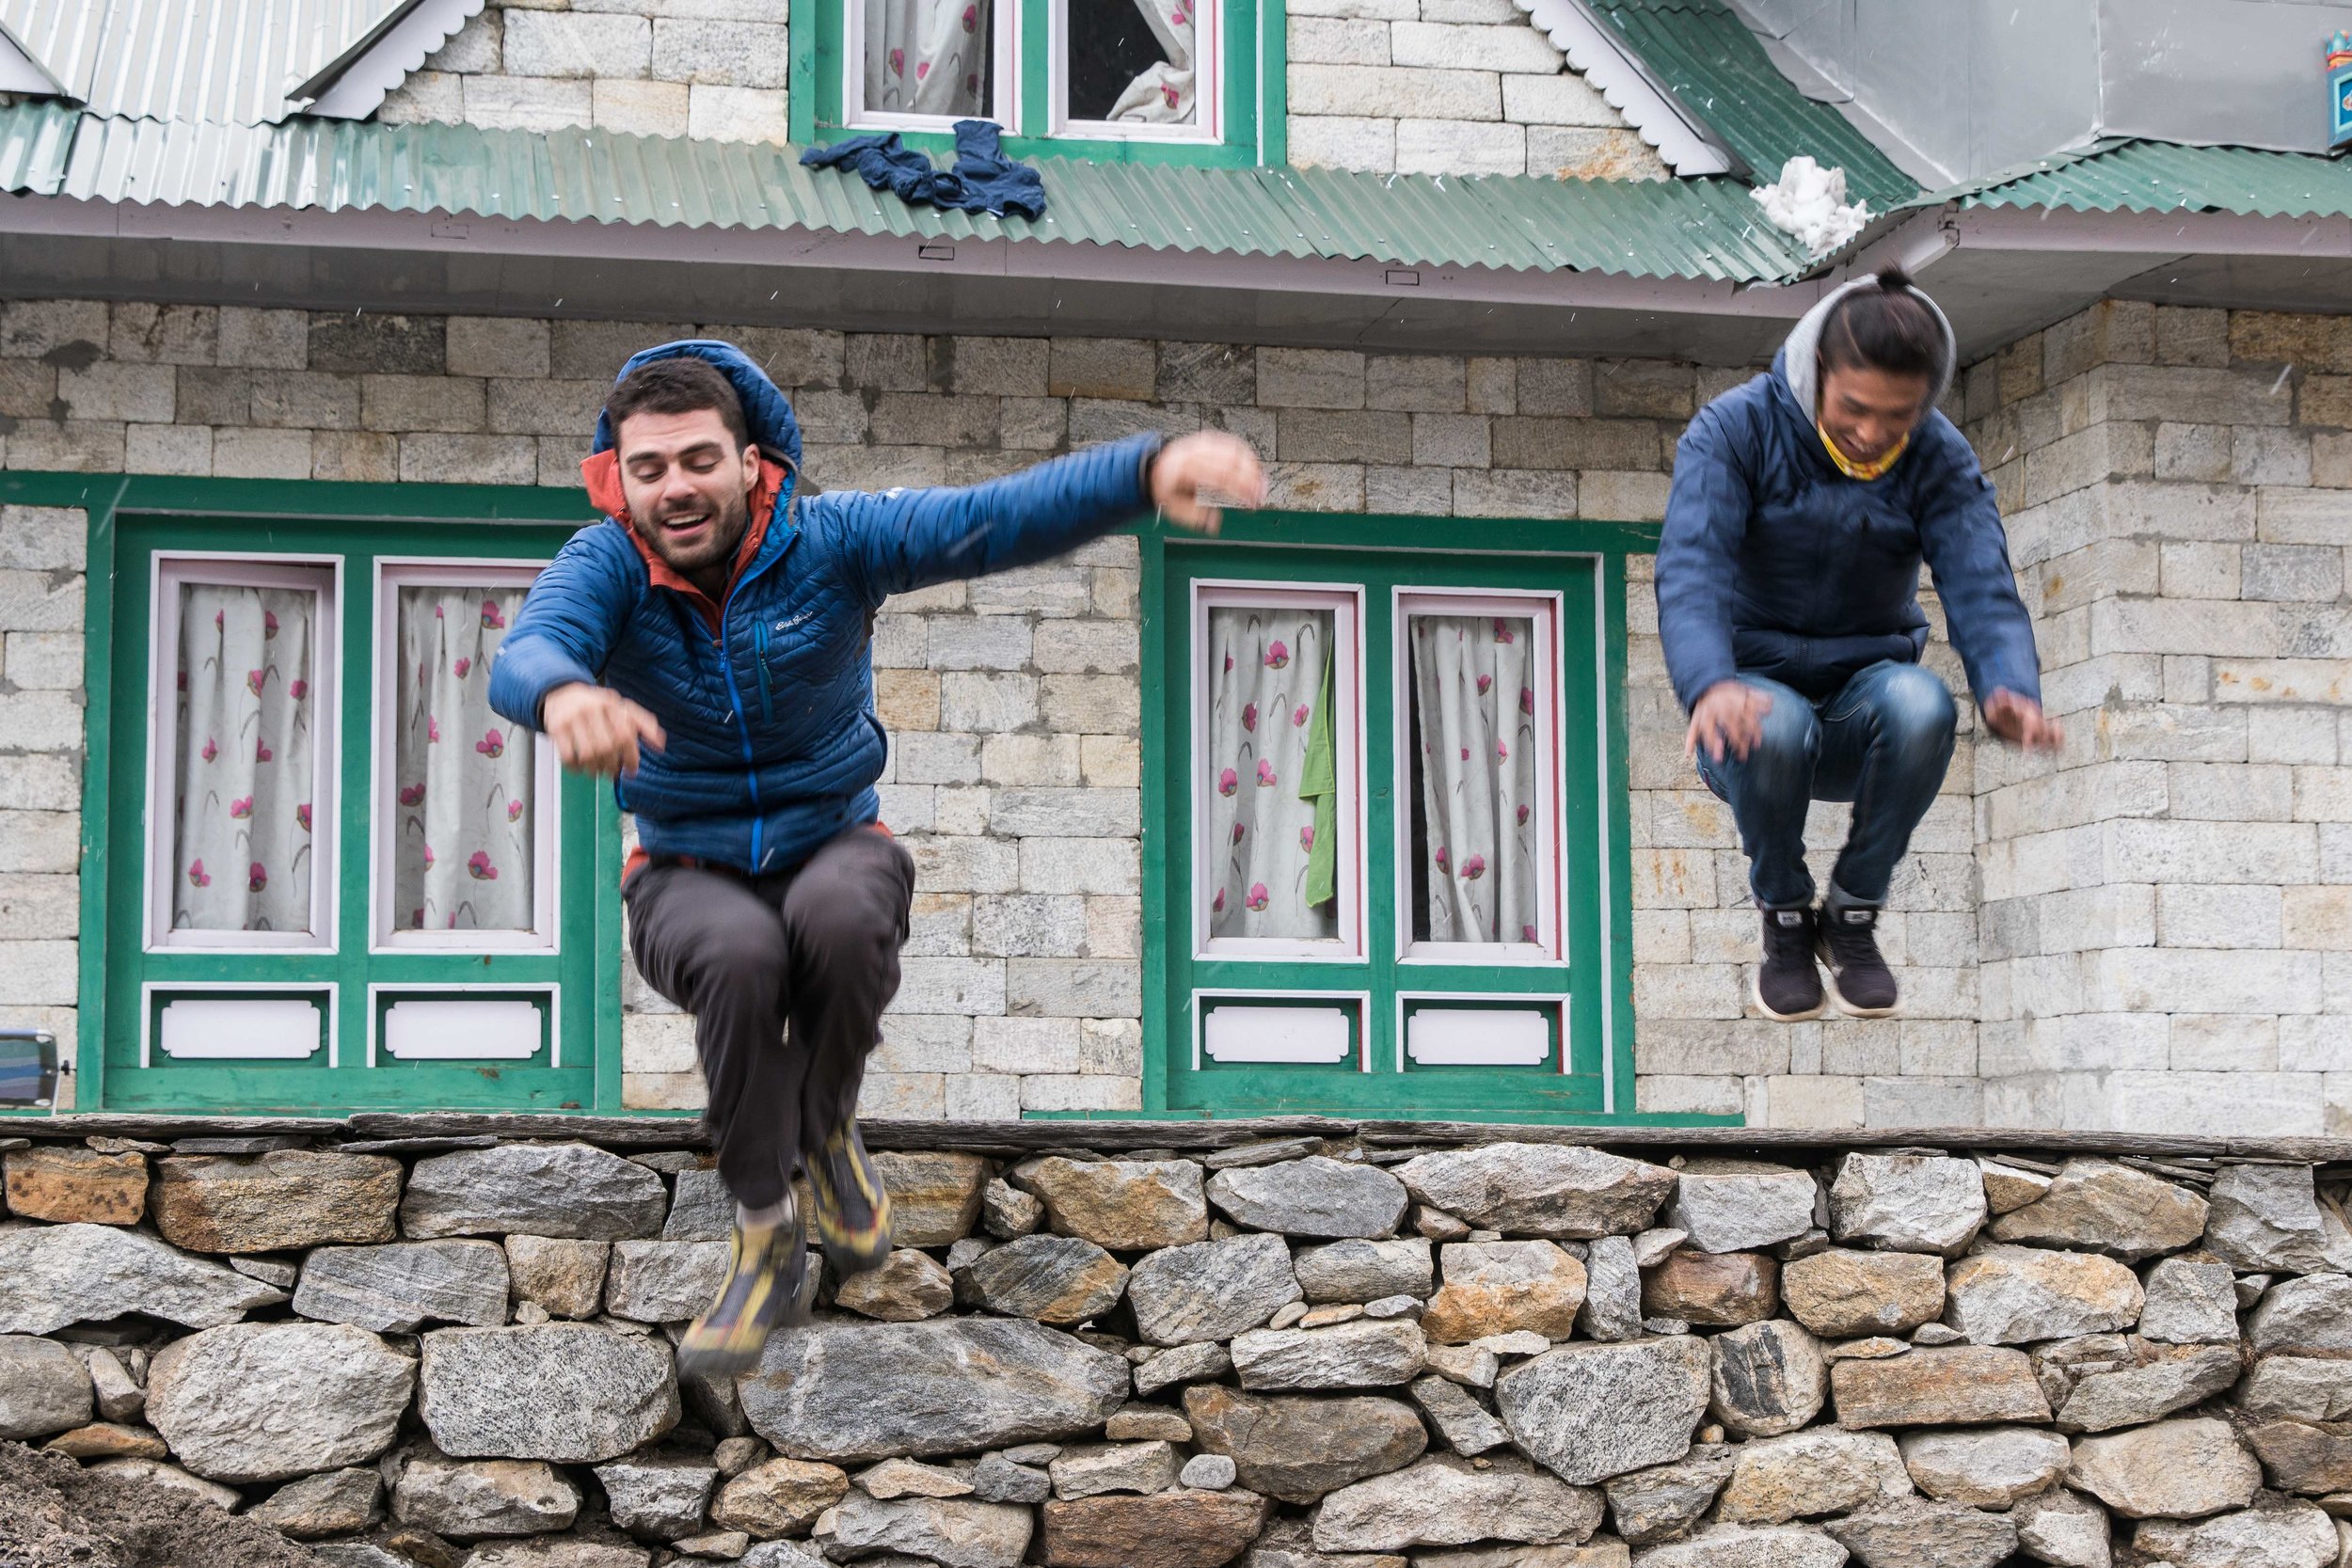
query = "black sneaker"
{"x": 1859, "y": 980}
{"x": 1788, "y": 986}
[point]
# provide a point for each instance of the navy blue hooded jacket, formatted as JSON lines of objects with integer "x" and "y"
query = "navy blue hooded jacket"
{"x": 773, "y": 743}
{"x": 1774, "y": 562}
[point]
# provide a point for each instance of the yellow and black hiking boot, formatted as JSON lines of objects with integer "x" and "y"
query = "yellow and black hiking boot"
{"x": 762, "y": 1292}
{"x": 852, "y": 1208}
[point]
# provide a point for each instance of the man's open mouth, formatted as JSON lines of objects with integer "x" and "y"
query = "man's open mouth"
{"x": 684, "y": 522}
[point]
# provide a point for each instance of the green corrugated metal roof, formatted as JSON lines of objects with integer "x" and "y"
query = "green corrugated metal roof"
{"x": 1707, "y": 57}
{"x": 2167, "y": 176}
{"x": 1700, "y": 229}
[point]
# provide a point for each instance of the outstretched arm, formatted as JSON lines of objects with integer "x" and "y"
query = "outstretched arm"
{"x": 908, "y": 539}
{"x": 548, "y": 666}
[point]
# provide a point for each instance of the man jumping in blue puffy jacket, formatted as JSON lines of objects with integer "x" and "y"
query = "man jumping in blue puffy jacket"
{"x": 707, "y": 644}
{"x": 1788, "y": 598}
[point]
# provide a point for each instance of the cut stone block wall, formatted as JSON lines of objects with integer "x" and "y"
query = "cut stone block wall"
{"x": 1418, "y": 86}
{"x": 2166, "y": 917}
{"x": 1272, "y": 1344}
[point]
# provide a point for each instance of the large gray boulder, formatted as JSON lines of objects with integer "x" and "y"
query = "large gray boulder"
{"x": 1740, "y": 1205}
{"x": 859, "y": 1391}
{"x": 1210, "y": 1290}
{"x": 1447, "y": 1502}
{"x": 400, "y": 1287}
{"x": 54, "y": 1275}
{"x": 1561, "y": 1191}
{"x": 1360, "y": 1270}
{"x": 43, "y": 1389}
{"x": 1312, "y": 1198}
{"x": 2268, "y": 1218}
{"x": 2105, "y": 1206}
{"x": 1296, "y": 1447}
{"x": 954, "y": 1532}
{"x": 574, "y": 1393}
{"x": 1365, "y": 1354}
{"x": 567, "y": 1189}
{"x": 268, "y": 1401}
{"x": 2180, "y": 1469}
{"x": 1907, "y": 1203}
{"x": 469, "y": 1500}
{"x": 1061, "y": 1280}
{"x": 2009, "y": 1295}
{"x": 1589, "y": 1412}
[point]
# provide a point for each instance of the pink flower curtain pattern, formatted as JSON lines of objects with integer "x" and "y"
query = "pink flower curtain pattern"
{"x": 1163, "y": 94}
{"x": 242, "y": 780}
{"x": 1266, "y": 673}
{"x": 1474, "y": 704}
{"x": 927, "y": 57}
{"x": 462, "y": 856}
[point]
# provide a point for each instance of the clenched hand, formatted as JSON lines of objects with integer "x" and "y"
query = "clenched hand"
{"x": 1728, "y": 716}
{"x": 1194, "y": 474}
{"x": 598, "y": 730}
{"x": 2020, "y": 722}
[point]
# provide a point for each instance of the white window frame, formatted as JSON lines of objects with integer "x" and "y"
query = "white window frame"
{"x": 385, "y": 935}
{"x": 1208, "y": 76}
{"x": 1547, "y": 609}
{"x": 168, "y": 572}
{"x": 1004, "y": 75}
{"x": 1346, "y": 602}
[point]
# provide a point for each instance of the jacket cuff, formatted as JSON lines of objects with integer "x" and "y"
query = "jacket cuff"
{"x": 1152, "y": 444}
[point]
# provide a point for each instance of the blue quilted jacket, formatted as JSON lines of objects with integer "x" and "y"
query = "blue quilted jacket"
{"x": 774, "y": 746}
{"x": 1774, "y": 562}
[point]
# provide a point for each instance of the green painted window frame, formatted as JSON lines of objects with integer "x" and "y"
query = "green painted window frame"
{"x": 1597, "y": 1086}
{"x": 1256, "y": 93}
{"x": 129, "y": 520}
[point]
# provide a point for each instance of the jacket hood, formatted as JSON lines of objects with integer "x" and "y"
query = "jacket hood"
{"x": 772, "y": 426}
{"x": 1799, "y": 360}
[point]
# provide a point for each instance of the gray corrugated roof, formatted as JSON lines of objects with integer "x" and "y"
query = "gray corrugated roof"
{"x": 232, "y": 62}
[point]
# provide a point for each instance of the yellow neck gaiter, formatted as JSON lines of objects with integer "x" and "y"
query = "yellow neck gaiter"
{"x": 1853, "y": 470}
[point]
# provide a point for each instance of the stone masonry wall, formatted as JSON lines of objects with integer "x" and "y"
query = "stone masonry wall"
{"x": 2166, "y": 924}
{"x": 1360, "y": 1348}
{"x": 1419, "y": 87}
{"x": 1013, "y": 702}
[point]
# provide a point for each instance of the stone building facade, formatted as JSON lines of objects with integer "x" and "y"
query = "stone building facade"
{"x": 2156, "y": 931}
{"x": 1411, "y": 87}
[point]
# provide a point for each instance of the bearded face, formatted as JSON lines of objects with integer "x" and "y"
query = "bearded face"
{"x": 689, "y": 482}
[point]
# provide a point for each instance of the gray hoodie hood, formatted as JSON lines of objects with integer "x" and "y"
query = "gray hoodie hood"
{"x": 1801, "y": 354}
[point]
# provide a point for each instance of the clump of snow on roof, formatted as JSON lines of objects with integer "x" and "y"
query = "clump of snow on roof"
{"x": 1809, "y": 201}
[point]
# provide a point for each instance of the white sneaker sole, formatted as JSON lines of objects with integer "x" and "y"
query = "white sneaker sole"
{"x": 1830, "y": 976}
{"x": 1755, "y": 993}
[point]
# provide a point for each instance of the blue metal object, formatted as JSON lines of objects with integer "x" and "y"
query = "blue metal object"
{"x": 2340, "y": 89}
{"x": 28, "y": 1069}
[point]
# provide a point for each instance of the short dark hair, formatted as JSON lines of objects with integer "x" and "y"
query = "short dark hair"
{"x": 678, "y": 385}
{"x": 1888, "y": 328}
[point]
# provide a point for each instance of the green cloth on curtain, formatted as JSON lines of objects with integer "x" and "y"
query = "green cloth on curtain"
{"x": 1319, "y": 782}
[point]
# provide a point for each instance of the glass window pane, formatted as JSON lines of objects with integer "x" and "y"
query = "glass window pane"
{"x": 242, "y": 784}
{"x": 1272, "y": 854}
{"x": 1476, "y": 875}
{"x": 1132, "y": 61}
{"x": 462, "y": 845}
{"x": 927, "y": 57}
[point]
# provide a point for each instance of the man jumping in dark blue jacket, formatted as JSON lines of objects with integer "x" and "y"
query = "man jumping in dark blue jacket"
{"x": 707, "y": 644}
{"x": 1788, "y": 598}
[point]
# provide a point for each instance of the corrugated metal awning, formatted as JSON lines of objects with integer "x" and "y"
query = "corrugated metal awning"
{"x": 1707, "y": 57}
{"x": 2165, "y": 177}
{"x": 1688, "y": 229}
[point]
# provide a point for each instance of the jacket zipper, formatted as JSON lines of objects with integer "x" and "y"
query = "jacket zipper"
{"x": 742, "y": 723}
{"x": 759, "y": 646}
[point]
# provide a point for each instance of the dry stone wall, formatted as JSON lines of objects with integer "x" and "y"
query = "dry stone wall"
{"x": 1379, "y": 1348}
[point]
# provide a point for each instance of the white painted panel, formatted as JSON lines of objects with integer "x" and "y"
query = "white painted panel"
{"x": 500, "y": 1030}
{"x": 1478, "y": 1037}
{"x": 1241, "y": 1033}
{"x": 240, "y": 1029}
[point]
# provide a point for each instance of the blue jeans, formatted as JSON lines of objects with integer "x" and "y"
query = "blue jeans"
{"x": 1881, "y": 741}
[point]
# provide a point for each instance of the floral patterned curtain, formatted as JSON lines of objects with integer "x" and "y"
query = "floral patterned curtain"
{"x": 1474, "y": 704}
{"x": 240, "y": 788}
{"x": 462, "y": 855}
{"x": 1162, "y": 95}
{"x": 927, "y": 57}
{"x": 1265, "y": 676}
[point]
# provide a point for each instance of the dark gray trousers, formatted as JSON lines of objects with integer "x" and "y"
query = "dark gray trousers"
{"x": 787, "y": 976}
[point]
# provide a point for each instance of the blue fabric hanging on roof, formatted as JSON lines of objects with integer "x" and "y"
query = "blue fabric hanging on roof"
{"x": 982, "y": 181}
